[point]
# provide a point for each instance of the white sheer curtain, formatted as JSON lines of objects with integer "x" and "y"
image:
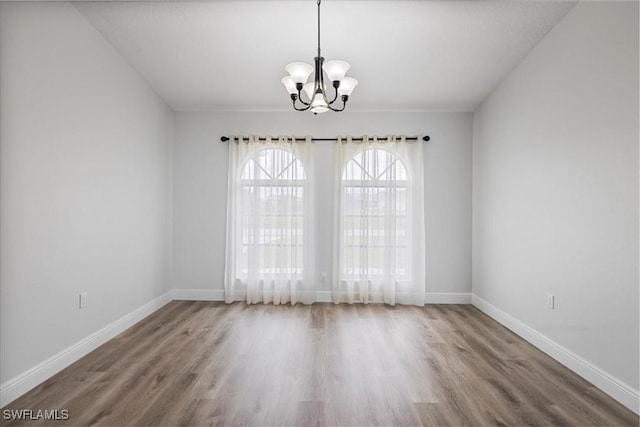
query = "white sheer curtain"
{"x": 379, "y": 253}
{"x": 270, "y": 222}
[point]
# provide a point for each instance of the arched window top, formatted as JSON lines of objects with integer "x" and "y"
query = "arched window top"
{"x": 375, "y": 164}
{"x": 273, "y": 164}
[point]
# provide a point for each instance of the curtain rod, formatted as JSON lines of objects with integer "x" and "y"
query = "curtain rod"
{"x": 408, "y": 138}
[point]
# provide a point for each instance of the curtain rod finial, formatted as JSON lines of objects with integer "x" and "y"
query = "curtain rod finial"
{"x": 426, "y": 138}
{"x": 224, "y": 138}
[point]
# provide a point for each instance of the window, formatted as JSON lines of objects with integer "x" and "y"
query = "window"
{"x": 375, "y": 224}
{"x": 374, "y": 216}
{"x": 272, "y": 214}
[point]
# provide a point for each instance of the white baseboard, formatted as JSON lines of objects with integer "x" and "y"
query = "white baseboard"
{"x": 429, "y": 297}
{"x": 321, "y": 296}
{"x": 447, "y": 298}
{"x": 16, "y": 387}
{"x": 197, "y": 294}
{"x": 615, "y": 388}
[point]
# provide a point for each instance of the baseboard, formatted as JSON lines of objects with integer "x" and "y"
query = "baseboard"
{"x": 615, "y": 388}
{"x": 197, "y": 294}
{"x": 218, "y": 295}
{"x": 447, "y": 298}
{"x": 321, "y": 296}
{"x": 429, "y": 297}
{"x": 16, "y": 387}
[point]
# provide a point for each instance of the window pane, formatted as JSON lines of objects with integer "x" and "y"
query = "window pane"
{"x": 374, "y": 215}
{"x": 272, "y": 224}
{"x": 274, "y": 164}
{"x": 374, "y": 164}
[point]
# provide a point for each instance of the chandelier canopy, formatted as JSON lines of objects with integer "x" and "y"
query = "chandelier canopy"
{"x": 316, "y": 91}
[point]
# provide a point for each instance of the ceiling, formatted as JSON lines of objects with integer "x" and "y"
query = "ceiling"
{"x": 408, "y": 55}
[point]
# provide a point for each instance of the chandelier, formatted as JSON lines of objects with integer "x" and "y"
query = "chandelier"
{"x": 316, "y": 91}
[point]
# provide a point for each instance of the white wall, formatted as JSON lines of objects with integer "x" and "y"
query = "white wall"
{"x": 85, "y": 184}
{"x": 555, "y": 194}
{"x": 200, "y": 188}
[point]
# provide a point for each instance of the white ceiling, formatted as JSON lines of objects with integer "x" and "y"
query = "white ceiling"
{"x": 407, "y": 55}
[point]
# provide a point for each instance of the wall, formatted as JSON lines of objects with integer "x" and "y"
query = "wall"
{"x": 555, "y": 190}
{"x": 200, "y": 188}
{"x": 85, "y": 184}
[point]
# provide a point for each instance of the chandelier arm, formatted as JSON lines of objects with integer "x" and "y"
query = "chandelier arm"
{"x": 324, "y": 95}
{"x": 335, "y": 97}
{"x": 301, "y": 109}
{"x": 337, "y": 110}
{"x": 344, "y": 98}
{"x": 302, "y": 101}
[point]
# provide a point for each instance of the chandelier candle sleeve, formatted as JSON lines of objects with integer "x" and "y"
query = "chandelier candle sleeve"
{"x": 315, "y": 92}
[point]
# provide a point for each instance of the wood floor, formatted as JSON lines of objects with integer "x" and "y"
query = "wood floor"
{"x": 205, "y": 363}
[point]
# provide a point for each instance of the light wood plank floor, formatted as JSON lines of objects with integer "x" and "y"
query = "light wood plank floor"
{"x": 204, "y": 363}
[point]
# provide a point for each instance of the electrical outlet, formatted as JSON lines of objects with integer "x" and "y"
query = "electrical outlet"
{"x": 551, "y": 301}
{"x": 83, "y": 299}
{"x": 323, "y": 277}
